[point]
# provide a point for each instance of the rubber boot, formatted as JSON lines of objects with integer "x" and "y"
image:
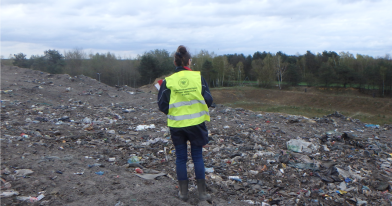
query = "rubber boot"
{"x": 201, "y": 187}
{"x": 183, "y": 193}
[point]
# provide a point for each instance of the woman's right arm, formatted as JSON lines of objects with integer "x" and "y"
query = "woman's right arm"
{"x": 206, "y": 92}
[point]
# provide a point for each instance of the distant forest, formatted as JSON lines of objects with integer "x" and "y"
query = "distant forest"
{"x": 264, "y": 69}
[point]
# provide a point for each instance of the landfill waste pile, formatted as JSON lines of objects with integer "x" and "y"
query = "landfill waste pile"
{"x": 75, "y": 141}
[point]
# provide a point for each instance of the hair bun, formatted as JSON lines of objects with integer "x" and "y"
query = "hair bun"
{"x": 182, "y": 50}
{"x": 182, "y": 56}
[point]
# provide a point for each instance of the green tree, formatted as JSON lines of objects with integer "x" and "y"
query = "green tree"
{"x": 104, "y": 67}
{"x": 131, "y": 74}
{"x": 199, "y": 59}
{"x": 219, "y": 64}
{"x": 228, "y": 71}
{"x": 383, "y": 73}
{"x": 240, "y": 74}
{"x": 257, "y": 68}
{"x": 235, "y": 58}
{"x": 280, "y": 66}
{"x": 154, "y": 64}
{"x": 165, "y": 62}
{"x": 345, "y": 69}
{"x": 259, "y": 55}
{"x": 54, "y": 61}
{"x": 301, "y": 65}
{"x": 149, "y": 69}
{"x": 311, "y": 63}
{"x": 326, "y": 73}
{"x": 20, "y": 60}
{"x": 248, "y": 66}
{"x": 266, "y": 73}
{"x": 38, "y": 62}
{"x": 363, "y": 62}
{"x": 293, "y": 75}
{"x": 208, "y": 71}
{"x": 345, "y": 75}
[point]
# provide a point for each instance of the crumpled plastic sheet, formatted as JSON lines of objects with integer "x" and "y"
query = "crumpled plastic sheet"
{"x": 349, "y": 173}
{"x": 153, "y": 141}
{"x": 298, "y": 145}
{"x": 144, "y": 127}
{"x": 150, "y": 176}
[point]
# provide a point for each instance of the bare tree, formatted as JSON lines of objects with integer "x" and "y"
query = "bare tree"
{"x": 74, "y": 61}
{"x": 280, "y": 69}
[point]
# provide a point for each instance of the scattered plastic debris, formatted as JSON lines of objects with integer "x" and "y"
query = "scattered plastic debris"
{"x": 251, "y": 158}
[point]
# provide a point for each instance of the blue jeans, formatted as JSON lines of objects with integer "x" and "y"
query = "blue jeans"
{"x": 182, "y": 158}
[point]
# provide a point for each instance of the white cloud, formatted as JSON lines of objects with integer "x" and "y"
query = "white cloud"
{"x": 133, "y": 27}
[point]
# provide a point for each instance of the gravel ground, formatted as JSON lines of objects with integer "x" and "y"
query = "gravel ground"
{"x": 68, "y": 141}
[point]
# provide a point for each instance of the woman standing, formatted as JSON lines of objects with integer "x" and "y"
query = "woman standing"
{"x": 185, "y": 97}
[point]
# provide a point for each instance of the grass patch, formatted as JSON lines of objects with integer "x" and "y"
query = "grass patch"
{"x": 313, "y": 103}
{"x": 7, "y": 62}
{"x": 375, "y": 119}
{"x": 293, "y": 110}
{"x": 310, "y": 111}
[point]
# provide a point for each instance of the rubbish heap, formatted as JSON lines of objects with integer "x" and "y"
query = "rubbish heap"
{"x": 77, "y": 138}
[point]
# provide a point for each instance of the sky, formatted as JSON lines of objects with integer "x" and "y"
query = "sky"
{"x": 129, "y": 28}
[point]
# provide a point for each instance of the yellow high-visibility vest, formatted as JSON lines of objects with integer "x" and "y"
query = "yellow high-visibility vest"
{"x": 187, "y": 106}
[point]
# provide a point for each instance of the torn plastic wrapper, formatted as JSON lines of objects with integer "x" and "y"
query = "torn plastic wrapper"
{"x": 150, "y": 176}
{"x": 9, "y": 193}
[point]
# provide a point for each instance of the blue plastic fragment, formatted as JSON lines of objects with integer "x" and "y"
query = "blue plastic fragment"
{"x": 209, "y": 170}
{"x": 99, "y": 173}
{"x": 348, "y": 180}
{"x": 374, "y": 126}
{"x": 236, "y": 179}
{"x": 94, "y": 165}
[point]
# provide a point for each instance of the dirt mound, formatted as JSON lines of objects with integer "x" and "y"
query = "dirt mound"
{"x": 151, "y": 87}
{"x": 73, "y": 141}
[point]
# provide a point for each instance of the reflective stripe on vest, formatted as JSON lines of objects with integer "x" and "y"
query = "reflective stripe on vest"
{"x": 188, "y": 116}
{"x": 179, "y": 104}
{"x": 187, "y": 106}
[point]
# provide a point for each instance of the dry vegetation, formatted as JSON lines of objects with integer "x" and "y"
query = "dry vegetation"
{"x": 315, "y": 102}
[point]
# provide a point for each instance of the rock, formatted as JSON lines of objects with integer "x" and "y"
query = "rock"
{"x": 23, "y": 172}
{"x": 383, "y": 186}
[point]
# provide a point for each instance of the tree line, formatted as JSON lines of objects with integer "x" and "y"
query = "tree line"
{"x": 264, "y": 69}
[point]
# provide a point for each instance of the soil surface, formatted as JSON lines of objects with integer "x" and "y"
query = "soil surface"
{"x": 349, "y": 100}
{"x": 69, "y": 141}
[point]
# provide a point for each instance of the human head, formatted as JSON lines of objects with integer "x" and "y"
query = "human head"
{"x": 182, "y": 56}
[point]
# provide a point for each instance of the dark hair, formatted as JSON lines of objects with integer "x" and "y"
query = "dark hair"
{"x": 182, "y": 56}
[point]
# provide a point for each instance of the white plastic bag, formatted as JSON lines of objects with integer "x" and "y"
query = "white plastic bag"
{"x": 299, "y": 145}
